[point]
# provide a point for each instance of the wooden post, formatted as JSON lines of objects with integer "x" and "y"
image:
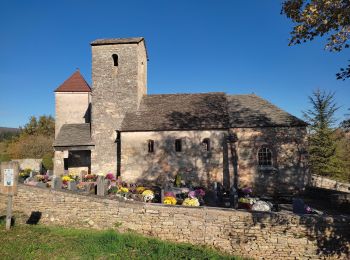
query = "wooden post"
{"x": 9, "y": 212}
{"x": 8, "y": 186}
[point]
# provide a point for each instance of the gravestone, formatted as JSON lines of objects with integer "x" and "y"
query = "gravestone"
{"x": 41, "y": 185}
{"x": 72, "y": 186}
{"x": 57, "y": 183}
{"x": 49, "y": 172}
{"x": 101, "y": 187}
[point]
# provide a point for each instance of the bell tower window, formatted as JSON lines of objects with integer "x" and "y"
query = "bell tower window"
{"x": 115, "y": 60}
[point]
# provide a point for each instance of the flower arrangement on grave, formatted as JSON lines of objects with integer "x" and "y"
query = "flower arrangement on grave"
{"x": 170, "y": 200}
{"x": 80, "y": 186}
{"x": 192, "y": 194}
{"x": 25, "y": 173}
{"x": 123, "y": 190}
{"x": 67, "y": 178}
{"x": 41, "y": 178}
{"x": 110, "y": 176}
{"x": 169, "y": 194}
{"x": 90, "y": 178}
{"x": 113, "y": 190}
{"x": 148, "y": 195}
{"x": 140, "y": 189}
{"x": 191, "y": 202}
{"x": 200, "y": 193}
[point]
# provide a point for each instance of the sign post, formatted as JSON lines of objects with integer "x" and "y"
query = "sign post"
{"x": 8, "y": 186}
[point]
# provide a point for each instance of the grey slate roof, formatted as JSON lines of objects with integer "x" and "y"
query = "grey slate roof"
{"x": 178, "y": 111}
{"x": 254, "y": 111}
{"x": 116, "y": 41}
{"x": 205, "y": 111}
{"x": 74, "y": 135}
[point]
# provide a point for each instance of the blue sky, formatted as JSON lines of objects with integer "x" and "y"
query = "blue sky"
{"x": 236, "y": 46}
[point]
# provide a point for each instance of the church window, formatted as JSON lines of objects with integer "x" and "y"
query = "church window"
{"x": 115, "y": 60}
{"x": 150, "y": 146}
{"x": 264, "y": 156}
{"x": 206, "y": 144}
{"x": 178, "y": 145}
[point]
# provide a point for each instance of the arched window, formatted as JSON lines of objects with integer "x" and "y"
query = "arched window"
{"x": 115, "y": 60}
{"x": 206, "y": 144}
{"x": 264, "y": 156}
{"x": 150, "y": 146}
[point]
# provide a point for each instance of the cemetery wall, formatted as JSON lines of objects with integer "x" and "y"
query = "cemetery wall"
{"x": 33, "y": 164}
{"x": 326, "y": 183}
{"x": 257, "y": 235}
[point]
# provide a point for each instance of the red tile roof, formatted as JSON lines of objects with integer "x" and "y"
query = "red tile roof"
{"x": 75, "y": 83}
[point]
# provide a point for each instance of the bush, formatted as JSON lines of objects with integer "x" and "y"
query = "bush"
{"x": 47, "y": 161}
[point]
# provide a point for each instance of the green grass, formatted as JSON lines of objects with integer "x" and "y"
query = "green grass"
{"x": 41, "y": 242}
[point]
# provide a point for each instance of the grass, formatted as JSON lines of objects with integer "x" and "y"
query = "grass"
{"x": 42, "y": 242}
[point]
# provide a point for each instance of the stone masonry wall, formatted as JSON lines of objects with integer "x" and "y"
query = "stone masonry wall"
{"x": 194, "y": 163}
{"x": 288, "y": 173}
{"x": 257, "y": 235}
{"x": 116, "y": 90}
{"x": 289, "y": 159}
{"x": 326, "y": 183}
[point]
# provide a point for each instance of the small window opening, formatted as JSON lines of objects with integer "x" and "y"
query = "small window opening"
{"x": 178, "y": 145}
{"x": 206, "y": 144}
{"x": 151, "y": 146}
{"x": 265, "y": 157}
{"x": 115, "y": 60}
{"x": 65, "y": 164}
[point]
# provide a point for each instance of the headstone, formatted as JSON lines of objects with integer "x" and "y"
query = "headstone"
{"x": 298, "y": 206}
{"x": 41, "y": 185}
{"x": 57, "y": 183}
{"x": 101, "y": 188}
{"x": 49, "y": 172}
{"x": 72, "y": 186}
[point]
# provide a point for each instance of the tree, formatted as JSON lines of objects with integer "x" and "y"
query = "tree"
{"x": 345, "y": 124}
{"x": 322, "y": 145}
{"x": 35, "y": 139}
{"x": 315, "y": 18}
{"x": 44, "y": 126}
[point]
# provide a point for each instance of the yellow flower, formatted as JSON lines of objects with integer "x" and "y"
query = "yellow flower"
{"x": 169, "y": 200}
{"x": 67, "y": 178}
{"x": 140, "y": 189}
{"x": 147, "y": 192}
{"x": 123, "y": 190}
{"x": 191, "y": 202}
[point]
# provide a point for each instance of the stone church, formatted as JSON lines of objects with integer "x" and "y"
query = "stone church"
{"x": 116, "y": 127}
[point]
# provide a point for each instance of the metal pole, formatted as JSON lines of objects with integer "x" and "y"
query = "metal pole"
{"x": 9, "y": 212}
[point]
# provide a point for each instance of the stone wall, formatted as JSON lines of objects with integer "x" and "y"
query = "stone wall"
{"x": 116, "y": 90}
{"x": 257, "y": 235}
{"x": 288, "y": 172}
{"x": 326, "y": 183}
{"x": 33, "y": 164}
{"x": 198, "y": 166}
{"x": 71, "y": 108}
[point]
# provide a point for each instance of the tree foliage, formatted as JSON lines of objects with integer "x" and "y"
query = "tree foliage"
{"x": 45, "y": 126}
{"x": 35, "y": 139}
{"x": 317, "y": 18}
{"x": 322, "y": 144}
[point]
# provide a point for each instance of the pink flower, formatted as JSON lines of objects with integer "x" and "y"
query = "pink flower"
{"x": 110, "y": 176}
{"x": 169, "y": 194}
{"x": 192, "y": 194}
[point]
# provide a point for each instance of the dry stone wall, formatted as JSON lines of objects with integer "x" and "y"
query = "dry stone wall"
{"x": 257, "y": 235}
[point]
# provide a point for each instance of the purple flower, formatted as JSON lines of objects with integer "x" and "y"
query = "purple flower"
{"x": 200, "y": 192}
{"x": 192, "y": 194}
